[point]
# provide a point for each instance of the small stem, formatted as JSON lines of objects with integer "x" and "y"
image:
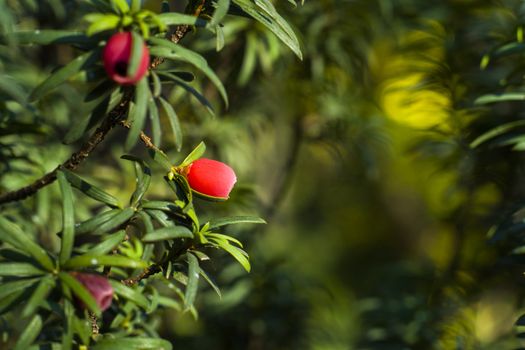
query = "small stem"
{"x": 157, "y": 267}
{"x": 143, "y": 137}
{"x": 147, "y": 272}
{"x": 94, "y": 325}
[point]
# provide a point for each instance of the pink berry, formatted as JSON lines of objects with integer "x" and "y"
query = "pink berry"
{"x": 211, "y": 177}
{"x": 98, "y": 286}
{"x": 116, "y": 56}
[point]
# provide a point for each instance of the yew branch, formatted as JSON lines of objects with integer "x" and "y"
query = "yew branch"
{"x": 114, "y": 117}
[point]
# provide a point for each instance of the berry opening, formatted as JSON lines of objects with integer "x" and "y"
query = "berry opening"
{"x": 105, "y": 302}
{"x": 116, "y": 57}
{"x": 121, "y": 68}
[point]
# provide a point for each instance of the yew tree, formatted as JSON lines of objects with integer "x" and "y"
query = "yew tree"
{"x": 80, "y": 265}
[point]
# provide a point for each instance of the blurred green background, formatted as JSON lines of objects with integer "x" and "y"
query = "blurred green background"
{"x": 360, "y": 159}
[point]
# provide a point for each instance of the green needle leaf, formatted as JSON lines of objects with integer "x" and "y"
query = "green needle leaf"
{"x": 193, "y": 280}
{"x": 133, "y": 295}
{"x": 174, "y": 51}
{"x": 103, "y": 260}
{"x": 174, "y": 122}
{"x": 171, "y": 232}
{"x": 90, "y": 190}
{"x": 195, "y": 154}
{"x": 68, "y": 218}
{"x": 30, "y": 333}
{"x": 18, "y": 269}
{"x": 264, "y": 12}
{"x": 114, "y": 221}
{"x": 221, "y": 10}
{"x": 137, "y": 44}
{"x": 174, "y": 18}
{"x": 39, "y": 295}
{"x": 108, "y": 244}
{"x": 143, "y": 178}
{"x": 8, "y": 288}
{"x": 138, "y": 343}
{"x": 156, "y": 130}
{"x": 240, "y": 255}
{"x": 138, "y": 115}
{"x": 231, "y": 220}
{"x": 14, "y": 235}
{"x": 93, "y": 223}
{"x": 62, "y": 74}
{"x": 47, "y": 37}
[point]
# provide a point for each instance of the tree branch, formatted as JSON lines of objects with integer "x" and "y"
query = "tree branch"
{"x": 76, "y": 158}
{"x": 114, "y": 117}
{"x": 157, "y": 267}
{"x": 147, "y": 272}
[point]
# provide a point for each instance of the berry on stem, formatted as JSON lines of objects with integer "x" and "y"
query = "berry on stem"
{"x": 211, "y": 178}
{"x": 98, "y": 286}
{"x": 117, "y": 55}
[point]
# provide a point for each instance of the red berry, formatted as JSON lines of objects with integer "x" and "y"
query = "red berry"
{"x": 116, "y": 56}
{"x": 211, "y": 177}
{"x": 98, "y": 286}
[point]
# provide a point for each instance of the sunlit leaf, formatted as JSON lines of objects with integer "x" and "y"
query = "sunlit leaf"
{"x": 19, "y": 269}
{"x": 505, "y": 97}
{"x": 81, "y": 261}
{"x": 195, "y": 154}
{"x": 137, "y": 343}
{"x": 174, "y": 18}
{"x": 171, "y": 232}
{"x": 497, "y": 131}
{"x": 108, "y": 244}
{"x": 120, "y": 6}
{"x": 231, "y": 220}
{"x": 221, "y": 10}
{"x": 239, "y": 254}
{"x": 101, "y": 22}
{"x": 131, "y": 294}
{"x": 264, "y": 13}
{"x": 224, "y": 237}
